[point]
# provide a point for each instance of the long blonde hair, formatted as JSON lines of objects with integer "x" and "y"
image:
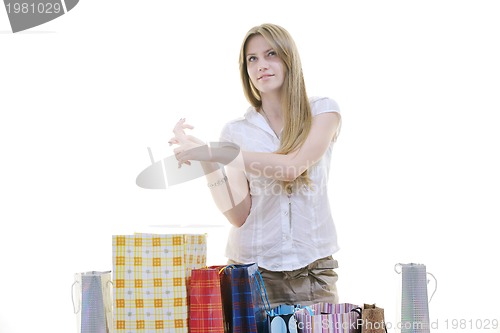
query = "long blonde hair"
{"x": 297, "y": 116}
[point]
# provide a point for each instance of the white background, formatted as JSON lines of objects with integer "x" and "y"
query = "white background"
{"x": 415, "y": 172}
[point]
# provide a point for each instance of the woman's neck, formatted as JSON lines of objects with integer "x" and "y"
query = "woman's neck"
{"x": 273, "y": 114}
{"x": 272, "y": 106}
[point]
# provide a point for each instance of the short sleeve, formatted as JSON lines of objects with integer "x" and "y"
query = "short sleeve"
{"x": 321, "y": 105}
{"x": 226, "y": 134}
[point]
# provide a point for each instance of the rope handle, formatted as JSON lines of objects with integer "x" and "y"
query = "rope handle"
{"x": 110, "y": 307}
{"x": 435, "y": 288}
{"x": 399, "y": 265}
{"x": 261, "y": 287}
{"x": 73, "y": 298}
{"x": 223, "y": 269}
{"x": 108, "y": 288}
{"x": 358, "y": 310}
{"x": 309, "y": 310}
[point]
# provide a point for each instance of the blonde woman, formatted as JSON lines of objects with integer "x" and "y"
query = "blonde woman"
{"x": 270, "y": 179}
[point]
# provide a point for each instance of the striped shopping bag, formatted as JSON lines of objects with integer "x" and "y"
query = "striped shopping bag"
{"x": 205, "y": 301}
{"x": 92, "y": 302}
{"x": 329, "y": 318}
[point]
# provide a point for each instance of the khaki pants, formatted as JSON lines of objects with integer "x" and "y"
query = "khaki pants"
{"x": 305, "y": 286}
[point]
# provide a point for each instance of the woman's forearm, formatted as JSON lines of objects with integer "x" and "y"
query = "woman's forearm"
{"x": 275, "y": 166}
{"x": 269, "y": 165}
{"x": 280, "y": 166}
{"x": 229, "y": 191}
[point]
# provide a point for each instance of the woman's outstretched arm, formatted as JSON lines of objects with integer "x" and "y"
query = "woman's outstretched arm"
{"x": 288, "y": 167}
{"x": 227, "y": 183}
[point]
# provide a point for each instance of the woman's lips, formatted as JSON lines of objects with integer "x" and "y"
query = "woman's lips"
{"x": 265, "y": 76}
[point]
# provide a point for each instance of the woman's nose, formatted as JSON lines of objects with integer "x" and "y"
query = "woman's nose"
{"x": 263, "y": 65}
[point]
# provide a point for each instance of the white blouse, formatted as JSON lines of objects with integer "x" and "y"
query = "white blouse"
{"x": 282, "y": 233}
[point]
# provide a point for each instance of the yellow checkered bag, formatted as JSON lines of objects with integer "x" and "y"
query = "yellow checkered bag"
{"x": 151, "y": 275}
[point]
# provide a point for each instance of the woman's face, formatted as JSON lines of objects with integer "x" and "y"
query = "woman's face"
{"x": 264, "y": 67}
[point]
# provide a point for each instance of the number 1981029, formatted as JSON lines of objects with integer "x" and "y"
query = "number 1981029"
{"x": 457, "y": 324}
{"x": 31, "y": 8}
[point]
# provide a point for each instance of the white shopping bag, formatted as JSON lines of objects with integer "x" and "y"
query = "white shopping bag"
{"x": 92, "y": 302}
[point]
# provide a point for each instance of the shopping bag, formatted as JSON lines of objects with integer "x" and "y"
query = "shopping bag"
{"x": 151, "y": 277}
{"x": 92, "y": 302}
{"x": 205, "y": 301}
{"x": 243, "y": 310}
{"x": 282, "y": 323}
{"x": 373, "y": 320}
{"x": 329, "y": 318}
{"x": 282, "y": 319}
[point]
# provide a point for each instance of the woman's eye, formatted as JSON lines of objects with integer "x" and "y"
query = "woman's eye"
{"x": 271, "y": 53}
{"x": 251, "y": 59}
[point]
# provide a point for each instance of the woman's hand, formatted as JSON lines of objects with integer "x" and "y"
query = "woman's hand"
{"x": 189, "y": 147}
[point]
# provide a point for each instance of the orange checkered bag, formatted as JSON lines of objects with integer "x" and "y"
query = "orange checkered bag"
{"x": 151, "y": 277}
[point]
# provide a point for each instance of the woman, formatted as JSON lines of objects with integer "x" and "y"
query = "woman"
{"x": 275, "y": 191}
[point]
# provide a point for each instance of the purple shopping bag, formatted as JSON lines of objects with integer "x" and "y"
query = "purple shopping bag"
{"x": 329, "y": 318}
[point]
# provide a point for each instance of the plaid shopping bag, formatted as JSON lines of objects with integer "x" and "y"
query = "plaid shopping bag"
{"x": 329, "y": 318}
{"x": 243, "y": 312}
{"x": 205, "y": 301}
{"x": 151, "y": 277}
{"x": 92, "y": 302}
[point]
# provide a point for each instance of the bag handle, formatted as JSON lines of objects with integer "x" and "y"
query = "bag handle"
{"x": 358, "y": 310}
{"x": 435, "y": 288}
{"x": 73, "y": 298}
{"x": 110, "y": 308}
{"x": 398, "y": 268}
{"x": 223, "y": 269}
{"x": 263, "y": 292}
{"x": 309, "y": 310}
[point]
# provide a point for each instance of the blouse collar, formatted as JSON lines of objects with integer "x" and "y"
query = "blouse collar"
{"x": 257, "y": 119}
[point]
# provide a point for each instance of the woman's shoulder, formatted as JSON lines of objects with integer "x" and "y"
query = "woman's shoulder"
{"x": 230, "y": 126}
{"x": 234, "y": 122}
{"x": 235, "y": 125}
{"x": 323, "y": 104}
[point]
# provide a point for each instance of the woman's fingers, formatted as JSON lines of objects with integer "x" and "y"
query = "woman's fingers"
{"x": 180, "y": 155}
{"x": 173, "y": 141}
{"x": 182, "y": 139}
{"x": 178, "y": 128}
{"x": 182, "y": 161}
{"x": 181, "y": 125}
